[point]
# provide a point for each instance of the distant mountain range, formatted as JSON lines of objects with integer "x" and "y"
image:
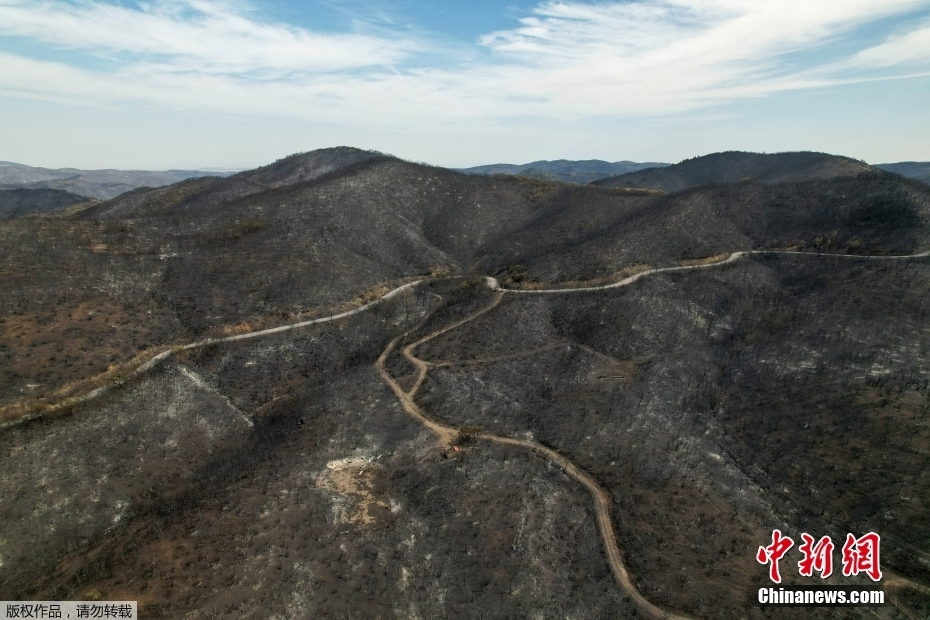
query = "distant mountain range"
{"x": 735, "y": 166}
{"x": 99, "y": 184}
{"x": 56, "y": 188}
{"x": 724, "y": 167}
{"x": 566, "y": 170}
{"x": 919, "y": 170}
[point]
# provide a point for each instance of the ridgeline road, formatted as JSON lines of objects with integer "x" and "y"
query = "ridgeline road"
{"x": 157, "y": 359}
{"x": 495, "y": 285}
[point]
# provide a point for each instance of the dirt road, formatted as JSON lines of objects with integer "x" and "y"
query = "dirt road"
{"x": 491, "y": 282}
{"x": 602, "y": 500}
{"x": 495, "y": 285}
{"x": 447, "y": 435}
{"x": 157, "y": 359}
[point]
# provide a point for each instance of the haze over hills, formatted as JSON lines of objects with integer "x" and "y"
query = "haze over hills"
{"x": 919, "y": 170}
{"x": 289, "y": 474}
{"x": 107, "y": 184}
{"x": 568, "y": 171}
{"x": 99, "y": 184}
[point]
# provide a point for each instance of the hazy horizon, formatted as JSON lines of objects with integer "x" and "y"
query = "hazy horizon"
{"x": 488, "y": 163}
{"x": 234, "y": 84}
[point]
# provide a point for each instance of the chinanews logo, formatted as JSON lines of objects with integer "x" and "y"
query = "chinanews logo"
{"x": 859, "y": 555}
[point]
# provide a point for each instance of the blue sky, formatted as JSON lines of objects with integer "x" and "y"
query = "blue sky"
{"x": 238, "y": 83}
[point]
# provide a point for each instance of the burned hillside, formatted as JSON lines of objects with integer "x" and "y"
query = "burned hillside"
{"x": 300, "y": 473}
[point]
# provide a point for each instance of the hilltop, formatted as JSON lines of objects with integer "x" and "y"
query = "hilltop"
{"x": 734, "y": 166}
{"x": 565, "y": 170}
{"x": 20, "y": 202}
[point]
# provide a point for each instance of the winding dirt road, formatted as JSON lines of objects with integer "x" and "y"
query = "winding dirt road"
{"x": 447, "y": 434}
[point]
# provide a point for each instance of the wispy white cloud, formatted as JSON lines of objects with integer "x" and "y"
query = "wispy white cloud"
{"x": 657, "y": 55}
{"x": 567, "y": 60}
{"x": 899, "y": 50}
{"x": 201, "y": 35}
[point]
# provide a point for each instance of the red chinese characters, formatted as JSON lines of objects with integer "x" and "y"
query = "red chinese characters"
{"x": 773, "y": 553}
{"x": 817, "y": 557}
{"x": 860, "y": 555}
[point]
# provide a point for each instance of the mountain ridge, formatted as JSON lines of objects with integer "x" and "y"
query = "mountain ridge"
{"x": 734, "y": 166}
{"x": 565, "y": 170}
{"x": 919, "y": 170}
{"x": 19, "y": 202}
{"x": 101, "y": 184}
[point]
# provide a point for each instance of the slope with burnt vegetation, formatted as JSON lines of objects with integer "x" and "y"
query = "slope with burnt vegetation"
{"x": 20, "y": 202}
{"x": 280, "y": 477}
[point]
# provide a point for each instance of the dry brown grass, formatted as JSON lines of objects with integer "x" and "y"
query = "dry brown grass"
{"x": 60, "y": 398}
{"x": 537, "y": 190}
{"x": 53, "y": 349}
{"x": 636, "y": 191}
